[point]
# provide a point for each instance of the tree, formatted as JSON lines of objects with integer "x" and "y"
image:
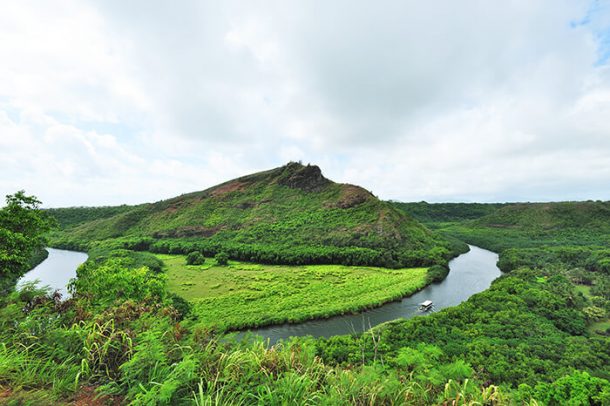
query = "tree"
{"x": 22, "y": 229}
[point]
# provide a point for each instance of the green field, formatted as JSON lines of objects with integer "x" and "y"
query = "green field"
{"x": 246, "y": 295}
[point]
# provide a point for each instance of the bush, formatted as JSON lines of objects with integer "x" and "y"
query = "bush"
{"x": 195, "y": 258}
{"x": 182, "y": 306}
{"x": 222, "y": 258}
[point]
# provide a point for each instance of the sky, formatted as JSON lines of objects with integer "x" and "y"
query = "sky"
{"x": 113, "y": 102}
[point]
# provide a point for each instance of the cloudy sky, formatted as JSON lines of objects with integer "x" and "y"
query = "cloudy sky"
{"x": 115, "y": 102}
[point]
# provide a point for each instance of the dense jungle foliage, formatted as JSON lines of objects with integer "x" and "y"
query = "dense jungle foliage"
{"x": 289, "y": 215}
{"x": 569, "y": 238}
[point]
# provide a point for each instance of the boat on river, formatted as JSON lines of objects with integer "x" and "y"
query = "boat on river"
{"x": 425, "y": 306}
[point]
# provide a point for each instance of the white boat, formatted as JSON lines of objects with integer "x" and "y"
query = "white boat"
{"x": 427, "y": 305}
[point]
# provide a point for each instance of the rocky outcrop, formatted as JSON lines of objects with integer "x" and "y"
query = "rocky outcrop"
{"x": 307, "y": 178}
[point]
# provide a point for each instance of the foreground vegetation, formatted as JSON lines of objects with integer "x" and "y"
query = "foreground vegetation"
{"x": 136, "y": 354}
{"x": 243, "y": 295}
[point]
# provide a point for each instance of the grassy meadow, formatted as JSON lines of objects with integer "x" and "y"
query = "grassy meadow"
{"x": 248, "y": 295}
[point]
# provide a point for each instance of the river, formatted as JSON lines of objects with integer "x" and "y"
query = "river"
{"x": 469, "y": 273}
{"x": 55, "y": 271}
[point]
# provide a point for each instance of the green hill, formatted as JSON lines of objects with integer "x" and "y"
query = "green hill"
{"x": 543, "y": 216}
{"x": 72, "y": 216}
{"x": 290, "y": 214}
{"x": 510, "y": 225}
{"x": 550, "y": 216}
{"x": 431, "y": 213}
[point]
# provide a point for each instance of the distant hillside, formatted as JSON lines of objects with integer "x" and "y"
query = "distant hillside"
{"x": 73, "y": 216}
{"x": 287, "y": 214}
{"x": 549, "y": 216}
{"x": 446, "y": 212}
{"x": 501, "y": 226}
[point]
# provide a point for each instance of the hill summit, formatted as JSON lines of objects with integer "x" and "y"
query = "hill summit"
{"x": 290, "y": 214}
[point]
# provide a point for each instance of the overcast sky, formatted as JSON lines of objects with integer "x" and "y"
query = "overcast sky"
{"x": 116, "y": 102}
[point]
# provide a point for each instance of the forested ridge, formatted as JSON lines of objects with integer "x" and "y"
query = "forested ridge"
{"x": 510, "y": 225}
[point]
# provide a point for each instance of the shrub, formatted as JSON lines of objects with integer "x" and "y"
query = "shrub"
{"x": 222, "y": 258}
{"x": 195, "y": 258}
{"x": 182, "y": 306}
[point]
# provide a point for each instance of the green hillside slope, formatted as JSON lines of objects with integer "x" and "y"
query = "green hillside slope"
{"x": 72, "y": 216}
{"x": 547, "y": 216}
{"x": 431, "y": 213}
{"x": 290, "y": 214}
{"x": 502, "y": 226}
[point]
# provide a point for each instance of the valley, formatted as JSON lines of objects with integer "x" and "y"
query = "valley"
{"x": 308, "y": 203}
{"x": 301, "y": 261}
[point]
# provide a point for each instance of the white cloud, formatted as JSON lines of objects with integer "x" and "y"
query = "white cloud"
{"x": 112, "y": 102}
